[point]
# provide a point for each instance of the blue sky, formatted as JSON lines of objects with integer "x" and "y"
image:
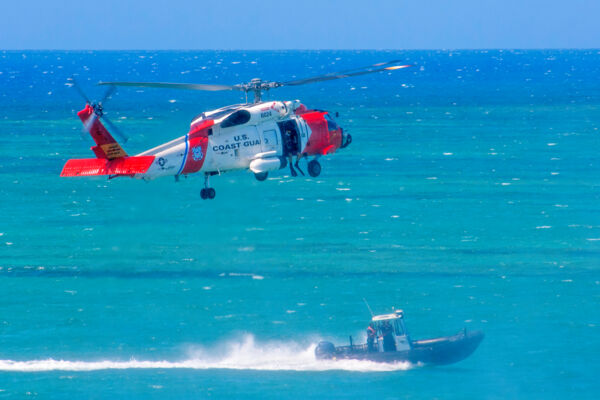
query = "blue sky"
{"x": 307, "y": 24}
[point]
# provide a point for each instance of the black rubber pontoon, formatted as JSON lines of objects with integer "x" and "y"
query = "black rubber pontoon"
{"x": 390, "y": 342}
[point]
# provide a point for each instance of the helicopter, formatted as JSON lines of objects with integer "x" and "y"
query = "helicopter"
{"x": 260, "y": 136}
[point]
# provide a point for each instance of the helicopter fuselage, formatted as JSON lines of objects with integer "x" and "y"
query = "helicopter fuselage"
{"x": 259, "y": 137}
{"x": 246, "y": 137}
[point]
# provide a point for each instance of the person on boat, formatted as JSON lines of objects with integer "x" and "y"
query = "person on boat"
{"x": 371, "y": 334}
{"x": 388, "y": 338}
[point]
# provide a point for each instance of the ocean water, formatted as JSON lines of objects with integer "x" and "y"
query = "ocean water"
{"x": 470, "y": 197}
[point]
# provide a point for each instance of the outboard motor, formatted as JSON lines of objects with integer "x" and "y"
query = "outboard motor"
{"x": 325, "y": 350}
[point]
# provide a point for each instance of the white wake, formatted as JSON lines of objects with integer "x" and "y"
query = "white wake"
{"x": 243, "y": 354}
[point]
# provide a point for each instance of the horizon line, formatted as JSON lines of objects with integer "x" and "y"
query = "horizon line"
{"x": 324, "y": 49}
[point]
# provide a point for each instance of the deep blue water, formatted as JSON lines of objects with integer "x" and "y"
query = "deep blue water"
{"x": 469, "y": 198}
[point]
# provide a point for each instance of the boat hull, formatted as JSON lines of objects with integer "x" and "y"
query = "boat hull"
{"x": 439, "y": 351}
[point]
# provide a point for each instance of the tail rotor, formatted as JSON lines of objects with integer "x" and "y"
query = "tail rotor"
{"x": 98, "y": 109}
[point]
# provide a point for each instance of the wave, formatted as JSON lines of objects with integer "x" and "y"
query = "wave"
{"x": 243, "y": 354}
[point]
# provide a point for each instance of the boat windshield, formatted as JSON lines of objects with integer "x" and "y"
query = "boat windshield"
{"x": 398, "y": 329}
{"x": 391, "y": 325}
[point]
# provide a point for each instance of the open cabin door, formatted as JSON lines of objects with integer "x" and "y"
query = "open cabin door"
{"x": 292, "y": 143}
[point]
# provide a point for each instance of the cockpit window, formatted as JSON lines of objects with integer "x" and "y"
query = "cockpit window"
{"x": 331, "y": 124}
{"x": 237, "y": 118}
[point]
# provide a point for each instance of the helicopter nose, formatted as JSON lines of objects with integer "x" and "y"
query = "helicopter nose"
{"x": 346, "y": 139}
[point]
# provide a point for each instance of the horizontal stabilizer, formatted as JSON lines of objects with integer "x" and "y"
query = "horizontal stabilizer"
{"x": 103, "y": 166}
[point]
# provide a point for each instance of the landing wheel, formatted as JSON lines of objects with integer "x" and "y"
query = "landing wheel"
{"x": 261, "y": 176}
{"x": 207, "y": 192}
{"x": 314, "y": 168}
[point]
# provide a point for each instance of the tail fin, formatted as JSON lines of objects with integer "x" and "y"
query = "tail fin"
{"x": 111, "y": 158}
{"x": 106, "y": 146}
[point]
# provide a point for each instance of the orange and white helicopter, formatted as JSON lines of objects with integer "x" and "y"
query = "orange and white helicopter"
{"x": 260, "y": 136}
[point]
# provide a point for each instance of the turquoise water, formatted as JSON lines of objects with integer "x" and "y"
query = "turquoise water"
{"x": 469, "y": 198}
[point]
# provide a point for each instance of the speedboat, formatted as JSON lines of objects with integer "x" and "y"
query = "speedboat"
{"x": 391, "y": 343}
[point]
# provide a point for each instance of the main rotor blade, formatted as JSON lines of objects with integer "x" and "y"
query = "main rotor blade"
{"x": 169, "y": 85}
{"x": 109, "y": 92}
{"x": 386, "y": 66}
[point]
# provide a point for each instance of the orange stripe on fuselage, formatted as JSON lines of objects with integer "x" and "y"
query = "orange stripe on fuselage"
{"x": 321, "y": 141}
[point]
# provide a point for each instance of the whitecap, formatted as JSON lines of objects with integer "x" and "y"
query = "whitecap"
{"x": 246, "y": 249}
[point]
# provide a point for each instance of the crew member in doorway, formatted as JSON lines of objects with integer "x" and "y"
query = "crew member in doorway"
{"x": 293, "y": 148}
{"x": 298, "y": 157}
{"x": 371, "y": 334}
{"x": 388, "y": 338}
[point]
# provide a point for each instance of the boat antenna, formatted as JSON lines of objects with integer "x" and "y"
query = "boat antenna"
{"x": 367, "y": 304}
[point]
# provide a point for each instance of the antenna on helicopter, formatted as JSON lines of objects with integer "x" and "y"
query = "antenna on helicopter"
{"x": 257, "y": 85}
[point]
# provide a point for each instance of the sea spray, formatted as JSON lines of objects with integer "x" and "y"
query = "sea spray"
{"x": 245, "y": 353}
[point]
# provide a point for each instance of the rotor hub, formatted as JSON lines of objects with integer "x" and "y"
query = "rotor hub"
{"x": 97, "y": 107}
